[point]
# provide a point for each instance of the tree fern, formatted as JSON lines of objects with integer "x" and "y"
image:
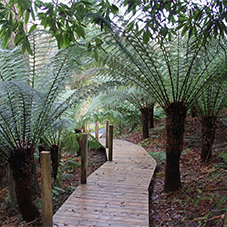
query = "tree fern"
{"x": 30, "y": 105}
{"x": 209, "y": 106}
{"x": 174, "y": 73}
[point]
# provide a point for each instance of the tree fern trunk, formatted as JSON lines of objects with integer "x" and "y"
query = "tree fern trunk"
{"x": 79, "y": 141}
{"x": 194, "y": 111}
{"x": 145, "y": 122}
{"x": 36, "y": 188}
{"x": 21, "y": 165}
{"x": 151, "y": 116}
{"x": 175, "y": 122}
{"x": 207, "y": 136}
{"x": 11, "y": 186}
{"x": 54, "y": 159}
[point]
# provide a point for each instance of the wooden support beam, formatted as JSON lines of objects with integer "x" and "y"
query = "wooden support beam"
{"x": 97, "y": 130}
{"x": 84, "y": 158}
{"x": 46, "y": 194}
{"x": 107, "y": 133}
{"x": 110, "y": 143}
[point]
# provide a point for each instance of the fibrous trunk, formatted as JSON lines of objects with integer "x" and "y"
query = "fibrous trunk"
{"x": 175, "y": 123}
{"x": 207, "y": 136}
{"x": 54, "y": 159}
{"x": 79, "y": 141}
{"x": 151, "y": 116}
{"x": 194, "y": 111}
{"x": 145, "y": 122}
{"x": 21, "y": 165}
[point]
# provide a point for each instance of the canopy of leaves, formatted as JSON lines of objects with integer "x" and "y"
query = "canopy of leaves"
{"x": 177, "y": 70}
{"x": 162, "y": 19}
{"x": 68, "y": 22}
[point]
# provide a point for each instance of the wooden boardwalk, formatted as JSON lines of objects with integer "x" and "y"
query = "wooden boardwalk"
{"x": 115, "y": 195}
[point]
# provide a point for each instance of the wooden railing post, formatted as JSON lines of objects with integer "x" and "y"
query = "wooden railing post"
{"x": 107, "y": 134}
{"x": 84, "y": 158}
{"x": 110, "y": 143}
{"x": 97, "y": 130}
{"x": 46, "y": 194}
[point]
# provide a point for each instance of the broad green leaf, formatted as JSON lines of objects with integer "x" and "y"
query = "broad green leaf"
{"x": 114, "y": 9}
{"x": 146, "y": 36}
{"x": 28, "y": 46}
{"x": 130, "y": 26}
{"x": 24, "y": 4}
{"x": 26, "y": 18}
{"x": 32, "y": 13}
{"x": 6, "y": 38}
{"x": 33, "y": 27}
{"x": 23, "y": 49}
{"x": 18, "y": 38}
{"x": 80, "y": 30}
{"x": 184, "y": 30}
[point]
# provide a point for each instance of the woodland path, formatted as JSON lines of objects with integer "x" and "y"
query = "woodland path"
{"x": 115, "y": 195}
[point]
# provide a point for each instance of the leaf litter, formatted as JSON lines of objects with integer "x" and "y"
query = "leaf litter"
{"x": 202, "y": 200}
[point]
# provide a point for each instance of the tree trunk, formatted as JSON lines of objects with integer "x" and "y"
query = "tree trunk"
{"x": 175, "y": 122}
{"x": 21, "y": 165}
{"x": 3, "y": 173}
{"x": 151, "y": 116}
{"x": 36, "y": 188}
{"x": 54, "y": 159}
{"x": 11, "y": 186}
{"x": 207, "y": 136}
{"x": 194, "y": 111}
{"x": 79, "y": 141}
{"x": 145, "y": 122}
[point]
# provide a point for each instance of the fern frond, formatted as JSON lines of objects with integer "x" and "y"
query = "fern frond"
{"x": 15, "y": 113}
{"x": 213, "y": 100}
{"x": 12, "y": 65}
{"x": 176, "y": 71}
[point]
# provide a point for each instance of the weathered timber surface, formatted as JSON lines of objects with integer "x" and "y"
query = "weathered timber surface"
{"x": 115, "y": 195}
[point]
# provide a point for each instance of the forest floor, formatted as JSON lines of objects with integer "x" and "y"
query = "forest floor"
{"x": 202, "y": 200}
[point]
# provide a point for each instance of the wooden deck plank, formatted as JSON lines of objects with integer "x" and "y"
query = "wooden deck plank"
{"x": 115, "y": 195}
